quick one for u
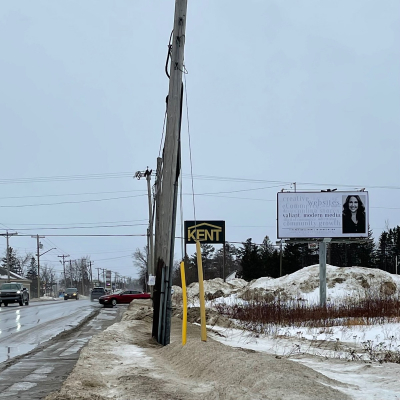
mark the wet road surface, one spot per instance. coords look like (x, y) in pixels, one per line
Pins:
(43, 370)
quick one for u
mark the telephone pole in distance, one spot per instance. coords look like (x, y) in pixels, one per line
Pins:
(7, 235)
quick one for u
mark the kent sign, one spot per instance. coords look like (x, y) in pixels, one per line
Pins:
(205, 231)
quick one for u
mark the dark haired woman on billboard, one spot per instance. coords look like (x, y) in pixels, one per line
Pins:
(353, 215)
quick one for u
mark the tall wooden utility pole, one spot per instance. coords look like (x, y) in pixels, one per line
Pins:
(150, 233)
(63, 263)
(7, 235)
(170, 174)
(150, 245)
(38, 247)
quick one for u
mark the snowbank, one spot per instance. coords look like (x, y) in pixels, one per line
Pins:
(302, 285)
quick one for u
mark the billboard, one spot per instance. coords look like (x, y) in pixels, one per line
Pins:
(205, 231)
(322, 215)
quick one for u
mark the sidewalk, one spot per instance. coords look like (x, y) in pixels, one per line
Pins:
(125, 363)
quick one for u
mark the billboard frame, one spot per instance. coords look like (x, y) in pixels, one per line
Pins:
(318, 215)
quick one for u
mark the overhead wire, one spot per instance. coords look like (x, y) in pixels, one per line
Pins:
(113, 175)
(80, 227)
(69, 194)
(190, 147)
(82, 223)
(70, 202)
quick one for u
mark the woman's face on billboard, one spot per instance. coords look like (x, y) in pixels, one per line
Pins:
(353, 204)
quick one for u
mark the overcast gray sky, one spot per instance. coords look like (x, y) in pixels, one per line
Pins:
(304, 91)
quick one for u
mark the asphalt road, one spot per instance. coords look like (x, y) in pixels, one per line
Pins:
(40, 343)
(23, 328)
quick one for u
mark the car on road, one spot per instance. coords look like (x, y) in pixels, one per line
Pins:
(13, 292)
(97, 292)
(122, 297)
(71, 293)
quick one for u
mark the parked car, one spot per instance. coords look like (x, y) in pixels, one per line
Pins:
(97, 292)
(71, 293)
(13, 292)
(122, 297)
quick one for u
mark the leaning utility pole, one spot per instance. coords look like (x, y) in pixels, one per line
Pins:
(170, 174)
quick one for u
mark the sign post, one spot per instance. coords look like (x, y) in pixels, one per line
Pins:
(206, 232)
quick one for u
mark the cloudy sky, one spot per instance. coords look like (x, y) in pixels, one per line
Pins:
(304, 91)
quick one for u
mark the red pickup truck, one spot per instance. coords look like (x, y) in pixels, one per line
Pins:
(122, 297)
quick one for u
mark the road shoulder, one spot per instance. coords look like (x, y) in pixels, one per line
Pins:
(124, 362)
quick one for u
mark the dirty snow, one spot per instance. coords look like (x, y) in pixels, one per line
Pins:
(124, 362)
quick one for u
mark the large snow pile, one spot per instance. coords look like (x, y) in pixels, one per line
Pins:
(213, 288)
(302, 285)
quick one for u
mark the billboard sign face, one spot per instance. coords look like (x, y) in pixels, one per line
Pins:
(205, 231)
(322, 215)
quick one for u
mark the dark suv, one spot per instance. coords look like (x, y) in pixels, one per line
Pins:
(97, 292)
(13, 292)
(71, 293)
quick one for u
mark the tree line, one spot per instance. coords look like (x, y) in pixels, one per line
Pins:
(252, 261)
(77, 273)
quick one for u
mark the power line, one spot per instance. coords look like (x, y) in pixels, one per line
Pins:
(80, 227)
(69, 194)
(92, 235)
(71, 202)
(114, 175)
(81, 223)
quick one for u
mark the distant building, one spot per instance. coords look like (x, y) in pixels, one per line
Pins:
(14, 278)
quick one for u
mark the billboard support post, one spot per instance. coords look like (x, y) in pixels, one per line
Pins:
(322, 271)
(223, 264)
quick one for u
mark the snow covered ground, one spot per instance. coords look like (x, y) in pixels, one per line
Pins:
(335, 355)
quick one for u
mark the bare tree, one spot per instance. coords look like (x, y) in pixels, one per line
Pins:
(140, 262)
(24, 261)
(47, 279)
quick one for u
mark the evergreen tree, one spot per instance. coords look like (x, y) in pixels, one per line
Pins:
(210, 269)
(366, 252)
(361, 254)
(232, 262)
(32, 275)
(388, 249)
(270, 258)
(32, 269)
(297, 256)
(251, 261)
(13, 261)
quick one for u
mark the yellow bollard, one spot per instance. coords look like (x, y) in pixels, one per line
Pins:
(201, 294)
(184, 299)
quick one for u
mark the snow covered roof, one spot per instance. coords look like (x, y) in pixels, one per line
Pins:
(13, 275)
